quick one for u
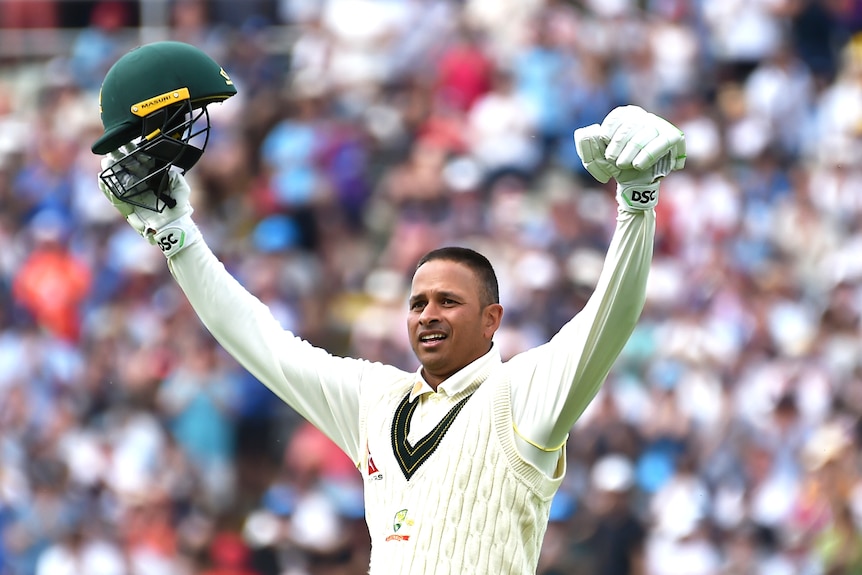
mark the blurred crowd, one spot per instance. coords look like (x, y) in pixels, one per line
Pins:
(365, 132)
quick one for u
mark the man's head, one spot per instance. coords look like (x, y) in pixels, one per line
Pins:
(454, 310)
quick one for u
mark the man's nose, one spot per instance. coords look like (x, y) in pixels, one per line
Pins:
(429, 313)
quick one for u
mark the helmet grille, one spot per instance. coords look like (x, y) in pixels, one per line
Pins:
(174, 137)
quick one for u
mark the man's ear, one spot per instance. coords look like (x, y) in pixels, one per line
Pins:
(493, 316)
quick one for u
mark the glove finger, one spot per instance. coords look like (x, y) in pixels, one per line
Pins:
(619, 139)
(657, 147)
(620, 115)
(180, 190)
(121, 206)
(637, 140)
(679, 155)
(114, 156)
(110, 159)
(590, 145)
(140, 165)
(103, 187)
(670, 138)
(584, 142)
(597, 148)
(140, 226)
(118, 184)
(602, 170)
(661, 168)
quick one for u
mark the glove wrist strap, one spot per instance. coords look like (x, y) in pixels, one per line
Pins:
(177, 235)
(637, 197)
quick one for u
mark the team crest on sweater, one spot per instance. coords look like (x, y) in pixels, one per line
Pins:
(402, 525)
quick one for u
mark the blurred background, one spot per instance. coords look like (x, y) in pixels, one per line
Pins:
(365, 132)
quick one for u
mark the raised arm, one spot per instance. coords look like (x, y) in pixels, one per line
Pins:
(152, 105)
(321, 387)
(553, 383)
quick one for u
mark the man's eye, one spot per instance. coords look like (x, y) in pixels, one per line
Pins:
(417, 305)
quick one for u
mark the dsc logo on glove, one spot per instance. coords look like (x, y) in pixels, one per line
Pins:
(170, 239)
(643, 197)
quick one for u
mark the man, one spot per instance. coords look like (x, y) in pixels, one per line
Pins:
(461, 458)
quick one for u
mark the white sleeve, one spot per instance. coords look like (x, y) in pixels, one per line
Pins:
(552, 384)
(323, 388)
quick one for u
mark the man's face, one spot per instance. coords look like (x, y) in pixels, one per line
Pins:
(446, 321)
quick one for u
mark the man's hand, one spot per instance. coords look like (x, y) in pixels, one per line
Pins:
(635, 148)
(172, 229)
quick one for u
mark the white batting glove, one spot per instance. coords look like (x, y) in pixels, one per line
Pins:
(171, 229)
(634, 147)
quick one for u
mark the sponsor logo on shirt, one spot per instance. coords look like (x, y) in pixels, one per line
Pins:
(373, 473)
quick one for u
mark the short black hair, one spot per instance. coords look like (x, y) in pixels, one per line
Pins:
(478, 263)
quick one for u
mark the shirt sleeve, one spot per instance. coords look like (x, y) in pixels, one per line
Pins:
(322, 388)
(552, 384)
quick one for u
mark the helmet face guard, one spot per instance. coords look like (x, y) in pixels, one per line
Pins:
(175, 138)
(153, 105)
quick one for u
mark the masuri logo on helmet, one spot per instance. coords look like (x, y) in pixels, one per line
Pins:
(153, 105)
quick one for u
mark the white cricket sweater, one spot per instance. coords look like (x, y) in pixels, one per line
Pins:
(511, 432)
(471, 503)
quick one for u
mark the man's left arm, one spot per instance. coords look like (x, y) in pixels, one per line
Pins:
(554, 383)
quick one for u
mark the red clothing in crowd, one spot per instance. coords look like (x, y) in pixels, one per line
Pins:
(51, 285)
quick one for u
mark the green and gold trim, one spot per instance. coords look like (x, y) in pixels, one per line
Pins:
(410, 457)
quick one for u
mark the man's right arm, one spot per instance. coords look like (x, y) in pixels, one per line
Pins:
(323, 388)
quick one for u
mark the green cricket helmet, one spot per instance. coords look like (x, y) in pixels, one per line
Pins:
(153, 104)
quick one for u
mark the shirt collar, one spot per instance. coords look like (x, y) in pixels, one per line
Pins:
(460, 380)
